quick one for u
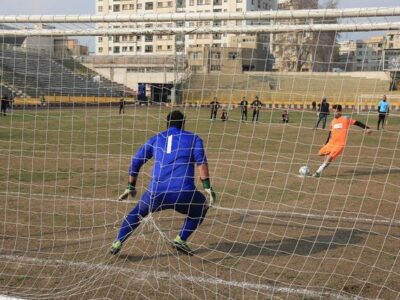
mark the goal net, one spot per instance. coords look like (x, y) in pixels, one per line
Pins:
(73, 117)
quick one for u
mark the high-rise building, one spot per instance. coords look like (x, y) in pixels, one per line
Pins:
(170, 44)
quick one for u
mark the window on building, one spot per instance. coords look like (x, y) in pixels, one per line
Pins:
(116, 7)
(159, 4)
(124, 49)
(130, 48)
(116, 49)
(100, 39)
(159, 48)
(148, 6)
(139, 6)
(232, 55)
(100, 50)
(215, 68)
(148, 38)
(138, 48)
(148, 48)
(169, 47)
(195, 55)
(131, 6)
(169, 4)
(100, 9)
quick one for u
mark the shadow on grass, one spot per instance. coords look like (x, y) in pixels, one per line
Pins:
(361, 172)
(305, 246)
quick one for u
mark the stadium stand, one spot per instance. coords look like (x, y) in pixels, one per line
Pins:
(33, 74)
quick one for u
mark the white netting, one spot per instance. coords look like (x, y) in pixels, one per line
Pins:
(65, 147)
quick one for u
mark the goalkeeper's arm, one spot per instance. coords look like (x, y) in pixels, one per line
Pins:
(130, 189)
(205, 179)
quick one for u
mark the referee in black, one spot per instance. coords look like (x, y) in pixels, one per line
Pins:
(243, 108)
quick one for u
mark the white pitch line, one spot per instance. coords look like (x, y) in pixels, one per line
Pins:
(310, 216)
(145, 275)
(285, 214)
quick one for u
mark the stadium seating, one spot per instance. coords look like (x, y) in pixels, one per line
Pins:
(33, 74)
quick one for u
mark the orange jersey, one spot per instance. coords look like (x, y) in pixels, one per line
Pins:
(339, 128)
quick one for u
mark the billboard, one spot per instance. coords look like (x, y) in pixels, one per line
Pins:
(391, 59)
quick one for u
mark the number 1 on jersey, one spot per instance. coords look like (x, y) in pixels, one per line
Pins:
(169, 144)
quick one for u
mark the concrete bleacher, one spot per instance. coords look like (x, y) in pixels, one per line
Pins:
(275, 87)
(33, 74)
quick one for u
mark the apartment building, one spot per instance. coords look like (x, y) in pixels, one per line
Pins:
(366, 54)
(170, 44)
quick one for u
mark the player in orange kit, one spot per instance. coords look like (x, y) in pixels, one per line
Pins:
(337, 138)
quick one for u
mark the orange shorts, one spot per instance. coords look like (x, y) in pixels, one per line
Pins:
(331, 150)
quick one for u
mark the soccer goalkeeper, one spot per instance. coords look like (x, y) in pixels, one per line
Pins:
(175, 152)
(337, 138)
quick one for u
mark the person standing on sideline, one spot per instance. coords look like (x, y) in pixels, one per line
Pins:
(3, 105)
(256, 105)
(337, 138)
(314, 105)
(243, 108)
(175, 152)
(285, 117)
(323, 113)
(122, 106)
(214, 108)
(383, 111)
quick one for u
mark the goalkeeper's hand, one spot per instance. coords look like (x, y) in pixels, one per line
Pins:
(130, 190)
(212, 196)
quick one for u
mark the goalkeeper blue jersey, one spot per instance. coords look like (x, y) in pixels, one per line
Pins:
(175, 153)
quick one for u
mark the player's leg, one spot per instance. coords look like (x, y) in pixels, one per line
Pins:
(318, 121)
(132, 221)
(379, 120)
(194, 205)
(331, 153)
(324, 122)
(245, 113)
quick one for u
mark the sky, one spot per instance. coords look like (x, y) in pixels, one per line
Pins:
(74, 7)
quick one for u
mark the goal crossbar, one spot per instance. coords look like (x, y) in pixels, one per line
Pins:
(221, 29)
(168, 17)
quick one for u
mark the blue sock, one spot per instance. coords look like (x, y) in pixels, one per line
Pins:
(191, 224)
(131, 222)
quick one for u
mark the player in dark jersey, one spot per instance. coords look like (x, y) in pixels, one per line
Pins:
(214, 108)
(243, 108)
(175, 153)
(256, 105)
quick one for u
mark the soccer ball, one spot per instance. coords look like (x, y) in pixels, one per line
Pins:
(304, 171)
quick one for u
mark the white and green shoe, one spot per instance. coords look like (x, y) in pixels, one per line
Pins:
(116, 247)
(181, 246)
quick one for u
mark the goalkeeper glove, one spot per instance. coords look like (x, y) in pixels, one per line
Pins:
(130, 190)
(209, 190)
